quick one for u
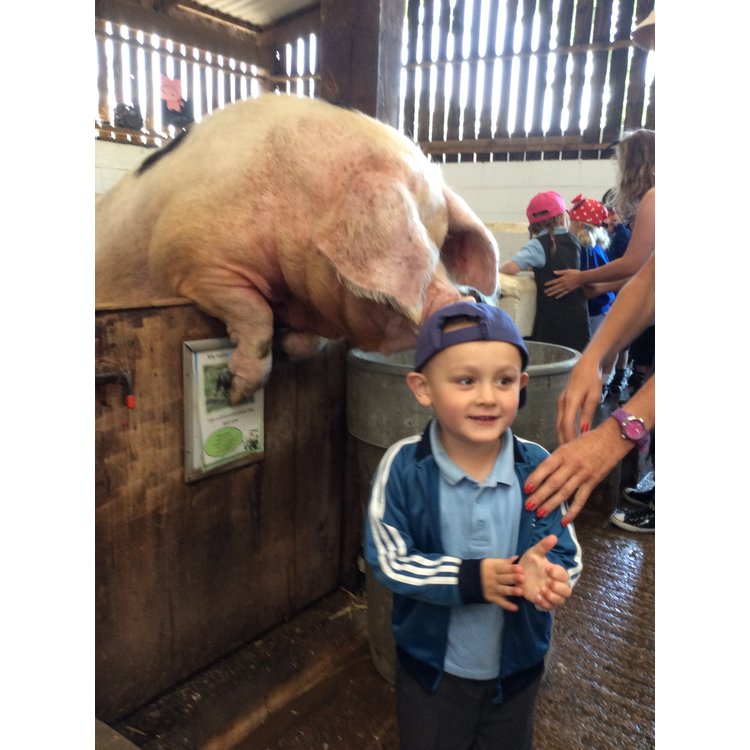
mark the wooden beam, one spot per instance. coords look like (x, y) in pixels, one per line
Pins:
(510, 145)
(182, 26)
(216, 15)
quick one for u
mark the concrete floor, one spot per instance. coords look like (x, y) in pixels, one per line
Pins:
(311, 683)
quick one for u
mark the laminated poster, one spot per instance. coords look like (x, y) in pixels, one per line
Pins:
(217, 433)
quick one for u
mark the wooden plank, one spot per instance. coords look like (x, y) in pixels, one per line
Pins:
(438, 115)
(117, 65)
(149, 113)
(132, 88)
(186, 573)
(227, 82)
(392, 20)
(424, 115)
(485, 118)
(602, 22)
(470, 112)
(584, 15)
(349, 53)
(205, 75)
(454, 101)
(548, 144)
(101, 78)
(503, 124)
(412, 19)
(564, 30)
(651, 110)
(540, 82)
(634, 111)
(519, 126)
(180, 24)
(618, 70)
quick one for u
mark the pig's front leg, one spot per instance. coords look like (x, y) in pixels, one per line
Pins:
(249, 322)
(299, 345)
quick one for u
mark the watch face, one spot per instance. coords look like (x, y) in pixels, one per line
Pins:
(634, 429)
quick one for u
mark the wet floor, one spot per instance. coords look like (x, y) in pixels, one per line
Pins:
(598, 692)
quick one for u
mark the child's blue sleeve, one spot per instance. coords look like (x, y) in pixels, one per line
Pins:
(389, 543)
(567, 552)
(531, 255)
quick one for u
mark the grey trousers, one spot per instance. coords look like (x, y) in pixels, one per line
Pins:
(462, 716)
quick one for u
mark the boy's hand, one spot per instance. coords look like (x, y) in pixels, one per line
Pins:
(543, 583)
(501, 578)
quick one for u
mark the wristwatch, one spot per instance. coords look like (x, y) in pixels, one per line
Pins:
(633, 429)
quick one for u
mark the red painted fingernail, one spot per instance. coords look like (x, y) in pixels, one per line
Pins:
(584, 428)
(541, 513)
(528, 488)
(565, 522)
(529, 505)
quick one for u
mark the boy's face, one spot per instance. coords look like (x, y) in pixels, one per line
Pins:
(474, 390)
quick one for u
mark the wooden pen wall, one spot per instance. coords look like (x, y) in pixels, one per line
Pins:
(519, 80)
(187, 572)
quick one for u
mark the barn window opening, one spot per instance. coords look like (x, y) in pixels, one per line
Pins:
(480, 80)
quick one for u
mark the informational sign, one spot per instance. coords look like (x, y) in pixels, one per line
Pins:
(218, 434)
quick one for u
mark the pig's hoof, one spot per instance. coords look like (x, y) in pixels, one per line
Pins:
(241, 389)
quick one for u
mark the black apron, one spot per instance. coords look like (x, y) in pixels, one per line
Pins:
(563, 321)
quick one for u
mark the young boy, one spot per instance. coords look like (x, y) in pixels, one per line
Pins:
(473, 574)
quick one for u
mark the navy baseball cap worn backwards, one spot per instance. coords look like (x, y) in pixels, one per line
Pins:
(493, 324)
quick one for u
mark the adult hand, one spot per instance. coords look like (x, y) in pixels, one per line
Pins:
(582, 395)
(573, 471)
(566, 282)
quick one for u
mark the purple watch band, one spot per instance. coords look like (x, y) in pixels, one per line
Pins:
(633, 429)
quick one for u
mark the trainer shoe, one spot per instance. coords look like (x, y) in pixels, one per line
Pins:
(644, 493)
(641, 520)
(642, 499)
(635, 381)
(619, 381)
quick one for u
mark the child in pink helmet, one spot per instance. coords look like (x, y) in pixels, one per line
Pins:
(552, 247)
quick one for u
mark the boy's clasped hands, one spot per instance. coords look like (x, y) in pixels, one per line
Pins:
(533, 577)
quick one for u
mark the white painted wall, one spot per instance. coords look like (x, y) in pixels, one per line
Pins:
(113, 160)
(497, 191)
(500, 191)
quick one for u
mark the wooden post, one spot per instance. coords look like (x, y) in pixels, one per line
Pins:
(360, 43)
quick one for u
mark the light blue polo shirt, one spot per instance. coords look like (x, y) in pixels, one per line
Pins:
(531, 255)
(477, 521)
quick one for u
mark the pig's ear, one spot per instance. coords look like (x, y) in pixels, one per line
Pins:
(377, 243)
(469, 252)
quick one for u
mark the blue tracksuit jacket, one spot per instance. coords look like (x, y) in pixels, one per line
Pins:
(404, 550)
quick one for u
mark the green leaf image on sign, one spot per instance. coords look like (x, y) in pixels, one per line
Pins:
(223, 441)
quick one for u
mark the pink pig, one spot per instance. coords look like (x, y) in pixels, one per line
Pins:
(292, 211)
